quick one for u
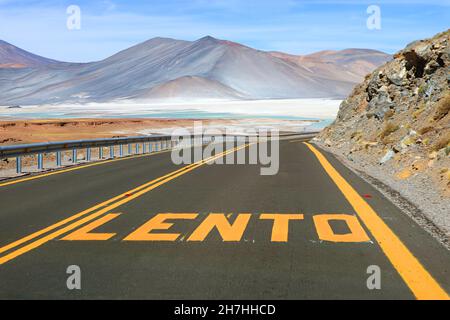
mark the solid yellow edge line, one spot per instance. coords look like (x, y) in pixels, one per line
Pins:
(4, 184)
(91, 217)
(420, 282)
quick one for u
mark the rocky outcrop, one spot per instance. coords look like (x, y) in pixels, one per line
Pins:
(396, 124)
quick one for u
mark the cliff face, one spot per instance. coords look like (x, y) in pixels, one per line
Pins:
(396, 124)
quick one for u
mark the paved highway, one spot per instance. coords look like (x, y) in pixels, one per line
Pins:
(143, 227)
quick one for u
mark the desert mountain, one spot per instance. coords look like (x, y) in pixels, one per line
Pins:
(345, 65)
(162, 68)
(13, 57)
(191, 87)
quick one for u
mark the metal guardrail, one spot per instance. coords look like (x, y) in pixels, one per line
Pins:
(47, 147)
(143, 144)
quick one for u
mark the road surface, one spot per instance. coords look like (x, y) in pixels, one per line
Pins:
(145, 228)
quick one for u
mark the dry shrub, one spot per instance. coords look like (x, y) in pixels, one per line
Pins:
(355, 134)
(442, 107)
(387, 140)
(418, 112)
(443, 142)
(389, 114)
(425, 130)
(388, 129)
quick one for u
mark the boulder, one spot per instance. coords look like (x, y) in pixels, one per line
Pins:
(379, 105)
(396, 75)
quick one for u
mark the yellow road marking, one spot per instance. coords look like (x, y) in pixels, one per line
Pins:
(280, 227)
(300, 140)
(84, 212)
(228, 231)
(4, 184)
(85, 232)
(326, 233)
(420, 282)
(142, 190)
(159, 222)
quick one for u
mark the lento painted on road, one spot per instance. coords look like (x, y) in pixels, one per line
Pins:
(205, 230)
(229, 231)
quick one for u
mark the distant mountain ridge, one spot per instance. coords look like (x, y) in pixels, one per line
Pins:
(14, 57)
(163, 68)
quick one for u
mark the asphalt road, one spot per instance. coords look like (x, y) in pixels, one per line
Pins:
(145, 228)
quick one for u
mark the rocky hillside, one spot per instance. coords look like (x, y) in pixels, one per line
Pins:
(395, 125)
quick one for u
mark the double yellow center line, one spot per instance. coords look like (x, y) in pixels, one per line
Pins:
(94, 212)
(78, 167)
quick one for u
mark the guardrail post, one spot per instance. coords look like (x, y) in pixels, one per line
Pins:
(74, 155)
(19, 164)
(88, 154)
(121, 150)
(40, 161)
(100, 153)
(58, 158)
(129, 149)
(111, 152)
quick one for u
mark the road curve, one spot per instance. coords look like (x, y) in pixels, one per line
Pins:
(145, 228)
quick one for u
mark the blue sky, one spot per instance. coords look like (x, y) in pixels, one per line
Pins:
(292, 26)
